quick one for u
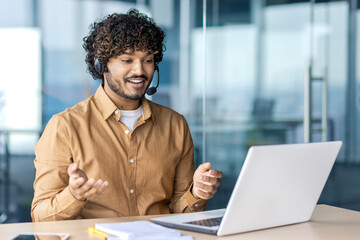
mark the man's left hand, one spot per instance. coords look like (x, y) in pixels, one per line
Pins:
(206, 181)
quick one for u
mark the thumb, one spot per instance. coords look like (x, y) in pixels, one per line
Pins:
(204, 167)
(72, 168)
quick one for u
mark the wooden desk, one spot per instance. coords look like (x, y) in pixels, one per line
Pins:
(326, 223)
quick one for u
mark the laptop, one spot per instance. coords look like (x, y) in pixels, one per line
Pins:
(278, 185)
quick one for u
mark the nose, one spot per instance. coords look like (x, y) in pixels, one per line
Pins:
(138, 68)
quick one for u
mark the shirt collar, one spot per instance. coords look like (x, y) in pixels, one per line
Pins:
(147, 110)
(108, 107)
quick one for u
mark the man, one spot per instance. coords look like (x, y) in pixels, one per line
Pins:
(117, 153)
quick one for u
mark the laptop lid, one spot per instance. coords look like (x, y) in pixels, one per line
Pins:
(277, 185)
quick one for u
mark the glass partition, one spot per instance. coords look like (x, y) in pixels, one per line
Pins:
(256, 70)
(254, 79)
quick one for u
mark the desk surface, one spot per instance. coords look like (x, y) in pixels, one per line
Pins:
(326, 223)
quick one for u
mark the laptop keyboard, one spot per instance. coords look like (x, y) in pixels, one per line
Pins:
(210, 222)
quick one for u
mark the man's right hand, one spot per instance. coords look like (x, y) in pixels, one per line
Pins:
(81, 187)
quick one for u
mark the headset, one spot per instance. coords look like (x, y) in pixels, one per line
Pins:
(99, 67)
(152, 90)
(102, 68)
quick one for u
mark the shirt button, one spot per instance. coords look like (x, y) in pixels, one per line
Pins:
(127, 131)
(131, 160)
(196, 205)
(131, 191)
(116, 111)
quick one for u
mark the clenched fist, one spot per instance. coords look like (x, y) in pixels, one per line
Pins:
(206, 181)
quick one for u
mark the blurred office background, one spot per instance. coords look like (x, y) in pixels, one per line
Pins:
(243, 73)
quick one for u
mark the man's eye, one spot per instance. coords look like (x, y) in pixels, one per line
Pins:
(148, 61)
(126, 60)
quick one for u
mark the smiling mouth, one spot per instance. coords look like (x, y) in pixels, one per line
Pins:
(137, 81)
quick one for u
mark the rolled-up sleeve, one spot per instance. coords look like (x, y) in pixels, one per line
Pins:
(52, 198)
(182, 199)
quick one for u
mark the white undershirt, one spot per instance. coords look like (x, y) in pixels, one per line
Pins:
(131, 117)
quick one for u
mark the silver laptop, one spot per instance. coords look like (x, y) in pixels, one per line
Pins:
(277, 185)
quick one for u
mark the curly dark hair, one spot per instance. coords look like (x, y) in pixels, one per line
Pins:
(116, 33)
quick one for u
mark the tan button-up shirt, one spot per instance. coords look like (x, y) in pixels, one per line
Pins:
(149, 170)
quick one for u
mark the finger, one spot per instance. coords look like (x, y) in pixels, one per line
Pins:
(217, 183)
(94, 189)
(77, 183)
(204, 195)
(86, 186)
(103, 187)
(75, 172)
(98, 188)
(72, 168)
(208, 179)
(215, 173)
(205, 187)
(208, 187)
(204, 167)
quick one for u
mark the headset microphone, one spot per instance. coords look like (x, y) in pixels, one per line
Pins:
(152, 90)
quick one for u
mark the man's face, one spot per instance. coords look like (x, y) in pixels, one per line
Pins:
(130, 74)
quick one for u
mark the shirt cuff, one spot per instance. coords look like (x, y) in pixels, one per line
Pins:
(70, 205)
(195, 204)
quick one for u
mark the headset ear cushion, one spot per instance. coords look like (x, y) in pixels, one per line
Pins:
(99, 67)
